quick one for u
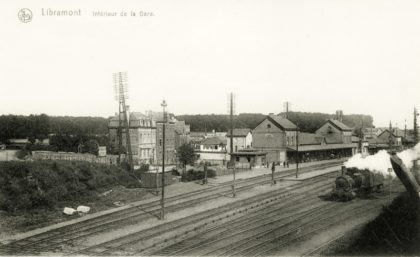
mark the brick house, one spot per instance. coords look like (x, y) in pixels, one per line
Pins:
(170, 157)
(273, 135)
(336, 130)
(142, 136)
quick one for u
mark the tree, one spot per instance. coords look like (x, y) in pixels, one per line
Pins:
(91, 146)
(186, 155)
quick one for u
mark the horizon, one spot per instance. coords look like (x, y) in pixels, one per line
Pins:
(323, 56)
(374, 126)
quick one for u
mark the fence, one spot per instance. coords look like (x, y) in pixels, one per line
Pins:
(227, 170)
(70, 156)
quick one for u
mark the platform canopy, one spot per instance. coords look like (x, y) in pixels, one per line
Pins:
(307, 148)
(249, 153)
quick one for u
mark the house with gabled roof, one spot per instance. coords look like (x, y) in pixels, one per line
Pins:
(242, 139)
(273, 135)
(336, 130)
(278, 137)
(146, 131)
(213, 150)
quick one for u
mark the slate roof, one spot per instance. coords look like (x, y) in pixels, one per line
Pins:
(197, 134)
(387, 131)
(338, 124)
(378, 143)
(137, 115)
(239, 132)
(398, 132)
(333, 139)
(310, 139)
(306, 148)
(214, 141)
(282, 122)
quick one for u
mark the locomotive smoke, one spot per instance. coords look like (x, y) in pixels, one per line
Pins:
(380, 161)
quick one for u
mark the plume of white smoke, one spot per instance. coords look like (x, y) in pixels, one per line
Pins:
(380, 161)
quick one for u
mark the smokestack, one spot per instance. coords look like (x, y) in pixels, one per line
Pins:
(343, 170)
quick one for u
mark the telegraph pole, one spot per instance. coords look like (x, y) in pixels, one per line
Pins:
(231, 127)
(119, 134)
(390, 143)
(361, 138)
(232, 158)
(297, 152)
(416, 140)
(415, 127)
(162, 200)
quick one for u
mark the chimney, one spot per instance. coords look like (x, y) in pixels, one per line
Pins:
(339, 115)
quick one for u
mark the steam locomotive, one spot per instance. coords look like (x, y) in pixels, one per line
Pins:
(354, 182)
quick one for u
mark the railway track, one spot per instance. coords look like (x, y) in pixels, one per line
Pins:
(270, 240)
(293, 206)
(305, 232)
(53, 239)
(135, 244)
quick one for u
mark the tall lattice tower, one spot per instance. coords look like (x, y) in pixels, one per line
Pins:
(121, 95)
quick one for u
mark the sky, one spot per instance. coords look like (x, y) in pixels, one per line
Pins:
(359, 56)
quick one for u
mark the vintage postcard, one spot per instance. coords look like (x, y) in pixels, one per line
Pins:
(209, 128)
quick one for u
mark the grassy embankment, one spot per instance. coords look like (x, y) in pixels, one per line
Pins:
(33, 194)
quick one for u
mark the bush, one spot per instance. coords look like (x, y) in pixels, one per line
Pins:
(144, 167)
(192, 175)
(174, 172)
(42, 184)
(21, 154)
(125, 165)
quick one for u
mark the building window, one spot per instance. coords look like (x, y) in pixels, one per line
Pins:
(160, 142)
(329, 130)
(268, 126)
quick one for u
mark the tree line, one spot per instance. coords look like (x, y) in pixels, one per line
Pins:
(67, 134)
(41, 126)
(307, 121)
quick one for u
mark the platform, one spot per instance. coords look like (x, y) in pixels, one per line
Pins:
(312, 174)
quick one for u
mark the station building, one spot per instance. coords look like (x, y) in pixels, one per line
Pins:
(277, 136)
(333, 140)
(273, 135)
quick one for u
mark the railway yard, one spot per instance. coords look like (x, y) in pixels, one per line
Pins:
(286, 218)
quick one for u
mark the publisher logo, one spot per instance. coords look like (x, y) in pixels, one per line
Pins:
(25, 15)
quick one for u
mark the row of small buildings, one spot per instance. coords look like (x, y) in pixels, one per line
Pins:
(277, 139)
(274, 139)
(388, 138)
